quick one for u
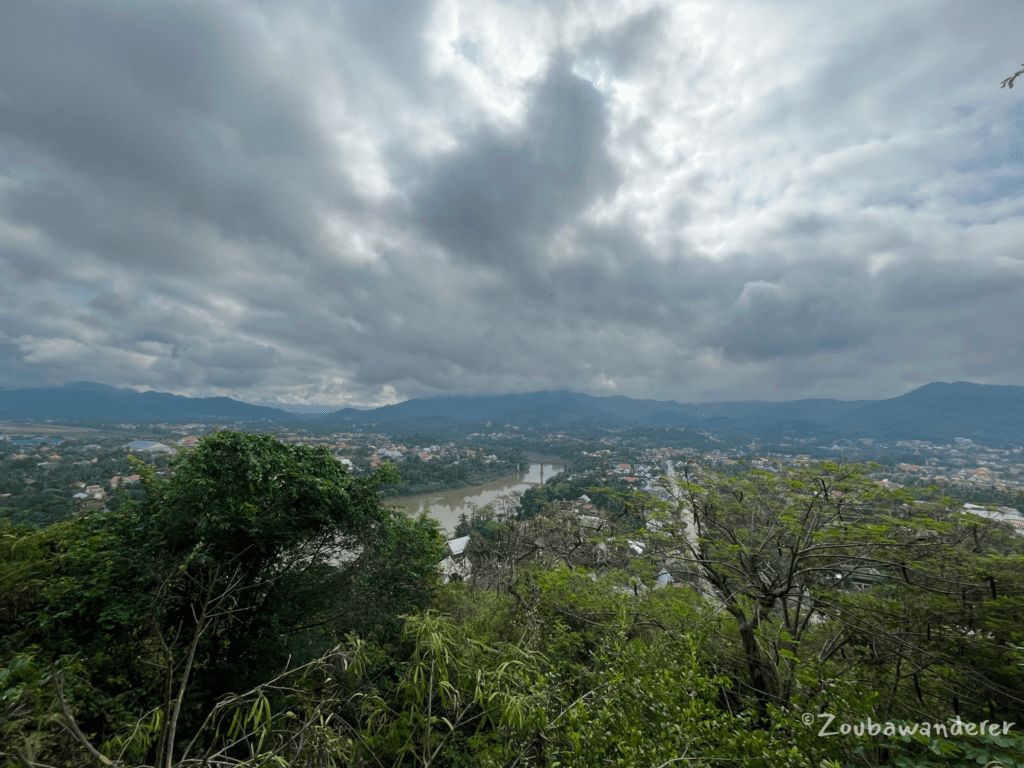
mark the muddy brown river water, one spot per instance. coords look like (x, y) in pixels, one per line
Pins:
(446, 506)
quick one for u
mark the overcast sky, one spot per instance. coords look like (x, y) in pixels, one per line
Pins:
(355, 203)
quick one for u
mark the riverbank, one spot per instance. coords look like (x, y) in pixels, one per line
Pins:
(446, 506)
(475, 479)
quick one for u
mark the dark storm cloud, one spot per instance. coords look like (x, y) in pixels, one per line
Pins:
(143, 120)
(498, 199)
(772, 327)
(617, 277)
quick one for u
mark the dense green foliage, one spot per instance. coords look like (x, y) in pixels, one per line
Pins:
(254, 553)
(565, 488)
(41, 495)
(420, 476)
(265, 608)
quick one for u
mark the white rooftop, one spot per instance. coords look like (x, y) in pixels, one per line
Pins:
(458, 546)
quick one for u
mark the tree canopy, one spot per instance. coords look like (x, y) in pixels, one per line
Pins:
(253, 553)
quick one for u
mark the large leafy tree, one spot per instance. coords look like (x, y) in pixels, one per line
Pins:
(823, 565)
(316, 551)
(252, 553)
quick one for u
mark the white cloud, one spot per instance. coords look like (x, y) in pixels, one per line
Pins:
(51, 350)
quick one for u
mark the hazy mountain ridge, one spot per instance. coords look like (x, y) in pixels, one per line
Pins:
(934, 411)
(89, 399)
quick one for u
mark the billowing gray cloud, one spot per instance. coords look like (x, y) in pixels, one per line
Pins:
(499, 199)
(944, 287)
(143, 122)
(771, 328)
(356, 203)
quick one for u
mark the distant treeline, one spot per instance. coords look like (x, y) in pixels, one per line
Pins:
(968, 492)
(419, 476)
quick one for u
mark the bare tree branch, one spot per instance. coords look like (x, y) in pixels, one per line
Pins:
(71, 724)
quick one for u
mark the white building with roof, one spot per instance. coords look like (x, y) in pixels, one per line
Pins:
(457, 547)
(1000, 514)
(455, 567)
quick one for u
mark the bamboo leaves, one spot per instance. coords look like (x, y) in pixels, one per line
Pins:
(452, 684)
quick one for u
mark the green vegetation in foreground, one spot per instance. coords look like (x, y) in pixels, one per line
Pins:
(265, 608)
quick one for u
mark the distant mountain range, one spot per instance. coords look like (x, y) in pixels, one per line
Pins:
(937, 411)
(90, 400)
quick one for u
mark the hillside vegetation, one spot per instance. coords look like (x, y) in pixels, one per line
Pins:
(263, 607)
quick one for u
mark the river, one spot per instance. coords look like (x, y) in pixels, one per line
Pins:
(446, 506)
